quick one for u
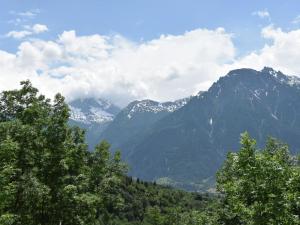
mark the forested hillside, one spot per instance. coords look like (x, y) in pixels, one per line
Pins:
(48, 176)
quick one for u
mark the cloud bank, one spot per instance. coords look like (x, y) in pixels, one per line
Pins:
(115, 68)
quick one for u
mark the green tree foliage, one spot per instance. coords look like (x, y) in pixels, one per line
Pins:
(147, 203)
(47, 176)
(260, 187)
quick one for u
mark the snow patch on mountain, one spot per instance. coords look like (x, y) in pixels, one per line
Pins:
(90, 110)
(284, 79)
(154, 107)
(96, 115)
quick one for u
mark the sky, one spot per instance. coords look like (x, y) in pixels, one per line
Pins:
(142, 49)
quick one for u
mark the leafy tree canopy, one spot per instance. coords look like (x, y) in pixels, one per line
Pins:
(260, 186)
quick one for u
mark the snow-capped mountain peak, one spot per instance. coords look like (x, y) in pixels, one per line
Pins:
(282, 78)
(92, 110)
(147, 105)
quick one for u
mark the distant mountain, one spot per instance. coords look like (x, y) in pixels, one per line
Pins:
(94, 115)
(183, 143)
(132, 122)
(190, 144)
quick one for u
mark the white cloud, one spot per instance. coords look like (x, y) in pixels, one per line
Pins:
(23, 17)
(282, 54)
(166, 68)
(39, 28)
(29, 13)
(29, 30)
(18, 34)
(262, 14)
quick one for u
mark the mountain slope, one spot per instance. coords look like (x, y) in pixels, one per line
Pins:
(190, 144)
(93, 115)
(133, 121)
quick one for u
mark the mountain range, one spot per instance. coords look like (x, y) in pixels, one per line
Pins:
(131, 124)
(184, 143)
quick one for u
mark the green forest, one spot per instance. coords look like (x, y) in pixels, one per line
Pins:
(48, 177)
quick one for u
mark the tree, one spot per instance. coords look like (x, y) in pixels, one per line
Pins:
(153, 216)
(259, 186)
(47, 176)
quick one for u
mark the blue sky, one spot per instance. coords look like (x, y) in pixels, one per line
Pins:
(238, 33)
(145, 20)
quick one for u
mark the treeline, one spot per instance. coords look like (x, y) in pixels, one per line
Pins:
(48, 177)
